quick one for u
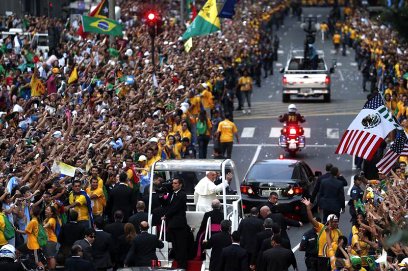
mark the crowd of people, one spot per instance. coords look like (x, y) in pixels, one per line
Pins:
(98, 107)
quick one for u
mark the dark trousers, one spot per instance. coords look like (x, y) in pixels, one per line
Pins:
(247, 95)
(311, 263)
(226, 147)
(323, 264)
(365, 80)
(180, 245)
(202, 146)
(239, 98)
(326, 213)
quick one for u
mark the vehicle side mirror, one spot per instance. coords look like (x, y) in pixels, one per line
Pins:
(331, 70)
(318, 174)
(281, 70)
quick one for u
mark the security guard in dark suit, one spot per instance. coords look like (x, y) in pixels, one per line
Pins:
(309, 246)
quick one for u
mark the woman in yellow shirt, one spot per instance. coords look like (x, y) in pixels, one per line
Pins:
(171, 144)
(50, 226)
(32, 234)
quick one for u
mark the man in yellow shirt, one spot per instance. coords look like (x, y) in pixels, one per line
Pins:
(245, 86)
(323, 260)
(3, 240)
(324, 28)
(207, 99)
(336, 42)
(226, 131)
(185, 132)
(97, 197)
(78, 200)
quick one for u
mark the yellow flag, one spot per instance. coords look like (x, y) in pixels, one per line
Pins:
(37, 87)
(188, 45)
(74, 76)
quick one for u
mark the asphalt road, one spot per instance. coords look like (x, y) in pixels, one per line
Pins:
(325, 122)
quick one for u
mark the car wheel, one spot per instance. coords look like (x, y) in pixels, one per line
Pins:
(285, 98)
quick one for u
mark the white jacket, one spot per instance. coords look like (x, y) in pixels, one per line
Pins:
(205, 192)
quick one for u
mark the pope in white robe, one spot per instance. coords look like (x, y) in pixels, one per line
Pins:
(206, 191)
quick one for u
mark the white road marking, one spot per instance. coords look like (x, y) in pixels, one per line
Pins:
(280, 52)
(248, 132)
(295, 248)
(258, 150)
(278, 64)
(341, 75)
(353, 166)
(276, 131)
(354, 64)
(332, 133)
(332, 51)
(339, 64)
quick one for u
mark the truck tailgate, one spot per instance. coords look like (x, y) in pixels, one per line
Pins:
(305, 80)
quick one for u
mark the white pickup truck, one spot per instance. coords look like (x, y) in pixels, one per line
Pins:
(306, 80)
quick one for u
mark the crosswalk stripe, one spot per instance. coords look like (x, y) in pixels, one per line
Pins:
(278, 64)
(248, 132)
(354, 64)
(275, 132)
(333, 133)
(280, 52)
(307, 132)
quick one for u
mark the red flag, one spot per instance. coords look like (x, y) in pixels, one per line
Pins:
(101, 11)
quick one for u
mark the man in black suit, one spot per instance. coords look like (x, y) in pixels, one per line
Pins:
(139, 216)
(279, 219)
(217, 242)
(122, 198)
(319, 181)
(248, 228)
(143, 249)
(331, 196)
(116, 229)
(69, 233)
(76, 262)
(261, 236)
(277, 258)
(233, 257)
(102, 247)
(175, 217)
(86, 244)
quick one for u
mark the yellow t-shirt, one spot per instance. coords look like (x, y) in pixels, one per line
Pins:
(32, 233)
(207, 99)
(322, 244)
(3, 240)
(82, 208)
(227, 130)
(52, 224)
(98, 203)
(195, 105)
(245, 83)
(363, 246)
(186, 133)
(324, 27)
(336, 38)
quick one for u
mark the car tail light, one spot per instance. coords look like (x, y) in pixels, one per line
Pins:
(300, 130)
(292, 131)
(284, 81)
(327, 80)
(246, 189)
(298, 190)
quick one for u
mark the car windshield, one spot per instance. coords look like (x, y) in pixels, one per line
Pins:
(271, 172)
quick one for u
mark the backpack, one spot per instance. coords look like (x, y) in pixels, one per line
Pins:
(8, 231)
(42, 236)
(201, 127)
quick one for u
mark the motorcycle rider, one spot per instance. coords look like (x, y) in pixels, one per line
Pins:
(292, 117)
(8, 259)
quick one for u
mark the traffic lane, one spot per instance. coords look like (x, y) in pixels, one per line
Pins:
(242, 156)
(324, 129)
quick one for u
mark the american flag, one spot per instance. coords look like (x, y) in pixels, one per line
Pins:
(368, 130)
(399, 147)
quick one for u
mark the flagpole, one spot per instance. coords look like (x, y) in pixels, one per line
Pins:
(112, 16)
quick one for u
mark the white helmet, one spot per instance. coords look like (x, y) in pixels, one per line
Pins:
(8, 251)
(292, 108)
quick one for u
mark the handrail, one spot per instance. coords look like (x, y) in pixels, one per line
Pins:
(163, 230)
(208, 230)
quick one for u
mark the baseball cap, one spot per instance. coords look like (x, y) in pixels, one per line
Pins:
(332, 217)
(404, 262)
(142, 158)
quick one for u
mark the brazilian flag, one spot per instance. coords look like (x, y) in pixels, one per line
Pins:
(102, 26)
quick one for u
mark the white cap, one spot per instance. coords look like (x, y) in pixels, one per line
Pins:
(332, 217)
(204, 85)
(129, 52)
(142, 158)
(147, 53)
(180, 87)
(57, 134)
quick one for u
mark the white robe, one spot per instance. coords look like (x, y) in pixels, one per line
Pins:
(205, 192)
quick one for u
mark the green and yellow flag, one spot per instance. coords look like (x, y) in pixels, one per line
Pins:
(206, 22)
(73, 76)
(101, 26)
(188, 45)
